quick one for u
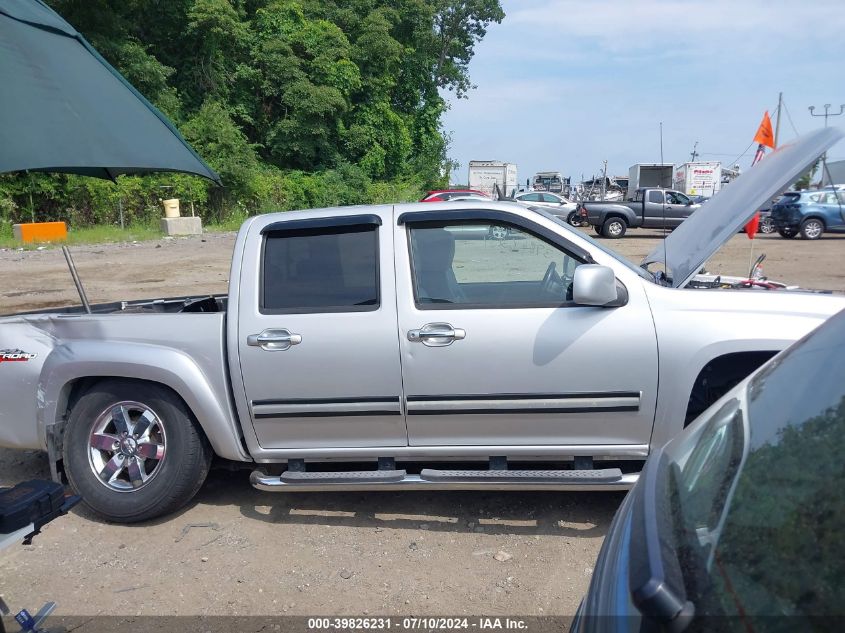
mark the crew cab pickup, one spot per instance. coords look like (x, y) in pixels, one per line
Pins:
(649, 208)
(396, 347)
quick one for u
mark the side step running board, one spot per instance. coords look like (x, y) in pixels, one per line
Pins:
(606, 475)
(360, 476)
(430, 479)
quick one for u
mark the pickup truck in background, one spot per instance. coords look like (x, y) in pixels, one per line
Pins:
(385, 348)
(650, 208)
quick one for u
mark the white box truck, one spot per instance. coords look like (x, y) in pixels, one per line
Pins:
(699, 179)
(484, 175)
(649, 175)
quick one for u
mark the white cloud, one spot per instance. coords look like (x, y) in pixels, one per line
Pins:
(564, 84)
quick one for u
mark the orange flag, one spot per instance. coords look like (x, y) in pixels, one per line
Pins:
(764, 135)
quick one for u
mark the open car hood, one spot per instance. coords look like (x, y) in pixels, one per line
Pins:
(708, 228)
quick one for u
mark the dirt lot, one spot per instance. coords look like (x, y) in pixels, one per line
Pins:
(239, 551)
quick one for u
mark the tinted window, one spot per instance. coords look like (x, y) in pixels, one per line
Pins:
(484, 264)
(760, 490)
(321, 270)
(655, 196)
(531, 197)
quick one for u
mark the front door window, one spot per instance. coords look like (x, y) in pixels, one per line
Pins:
(455, 265)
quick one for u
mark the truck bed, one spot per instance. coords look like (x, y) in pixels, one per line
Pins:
(171, 305)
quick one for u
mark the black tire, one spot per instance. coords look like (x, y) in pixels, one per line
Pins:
(812, 229)
(614, 228)
(787, 233)
(173, 479)
(574, 219)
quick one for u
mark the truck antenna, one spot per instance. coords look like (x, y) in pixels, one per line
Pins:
(76, 280)
(665, 232)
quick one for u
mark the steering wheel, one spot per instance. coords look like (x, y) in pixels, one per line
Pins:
(552, 282)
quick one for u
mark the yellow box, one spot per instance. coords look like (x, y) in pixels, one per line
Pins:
(40, 232)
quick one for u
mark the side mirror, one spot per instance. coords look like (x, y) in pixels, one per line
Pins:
(595, 285)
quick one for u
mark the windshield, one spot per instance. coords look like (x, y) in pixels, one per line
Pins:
(562, 222)
(758, 490)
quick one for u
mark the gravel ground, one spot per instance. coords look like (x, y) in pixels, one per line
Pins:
(238, 551)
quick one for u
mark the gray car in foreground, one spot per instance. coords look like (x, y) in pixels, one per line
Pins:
(373, 348)
(735, 525)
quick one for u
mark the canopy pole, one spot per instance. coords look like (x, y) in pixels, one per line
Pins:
(77, 282)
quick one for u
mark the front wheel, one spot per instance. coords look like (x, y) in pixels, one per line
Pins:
(787, 233)
(133, 452)
(614, 228)
(812, 229)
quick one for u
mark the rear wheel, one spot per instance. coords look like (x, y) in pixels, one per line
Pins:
(787, 233)
(812, 229)
(614, 228)
(133, 452)
(574, 219)
(767, 226)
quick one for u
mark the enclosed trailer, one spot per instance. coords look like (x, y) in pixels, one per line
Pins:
(484, 175)
(650, 175)
(699, 178)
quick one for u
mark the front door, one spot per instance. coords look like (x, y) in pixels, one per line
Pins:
(495, 352)
(317, 333)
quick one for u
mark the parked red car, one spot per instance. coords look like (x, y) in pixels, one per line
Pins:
(440, 195)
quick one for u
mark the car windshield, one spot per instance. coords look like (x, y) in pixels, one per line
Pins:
(757, 490)
(562, 221)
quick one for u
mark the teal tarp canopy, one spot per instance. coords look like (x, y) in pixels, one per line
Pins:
(63, 108)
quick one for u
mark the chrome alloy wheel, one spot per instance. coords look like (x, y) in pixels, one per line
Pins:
(127, 446)
(615, 228)
(813, 229)
(499, 232)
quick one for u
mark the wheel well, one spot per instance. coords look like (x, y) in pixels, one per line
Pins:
(718, 376)
(615, 214)
(70, 395)
(814, 217)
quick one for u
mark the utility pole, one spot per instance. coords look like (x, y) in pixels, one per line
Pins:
(693, 153)
(604, 181)
(826, 115)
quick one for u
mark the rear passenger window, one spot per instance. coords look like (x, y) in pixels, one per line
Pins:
(320, 270)
(655, 196)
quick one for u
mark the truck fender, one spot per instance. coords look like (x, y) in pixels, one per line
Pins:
(672, 406)
(617, 210)
(75, 360)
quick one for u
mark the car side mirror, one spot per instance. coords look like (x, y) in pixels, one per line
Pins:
(595, 285)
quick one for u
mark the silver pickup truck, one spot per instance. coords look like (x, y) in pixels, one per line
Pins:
(396, 347)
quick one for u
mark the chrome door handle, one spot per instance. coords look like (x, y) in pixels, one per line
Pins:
(436, 334)
(274, 340)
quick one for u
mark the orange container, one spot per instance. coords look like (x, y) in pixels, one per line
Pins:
(41, 232)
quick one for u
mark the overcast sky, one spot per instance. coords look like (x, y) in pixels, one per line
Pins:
(563, 84)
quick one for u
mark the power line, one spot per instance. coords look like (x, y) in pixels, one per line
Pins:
(789, 116)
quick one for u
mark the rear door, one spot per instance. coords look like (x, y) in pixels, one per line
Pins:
(494, 350)
(653, 208)
(317, 332)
